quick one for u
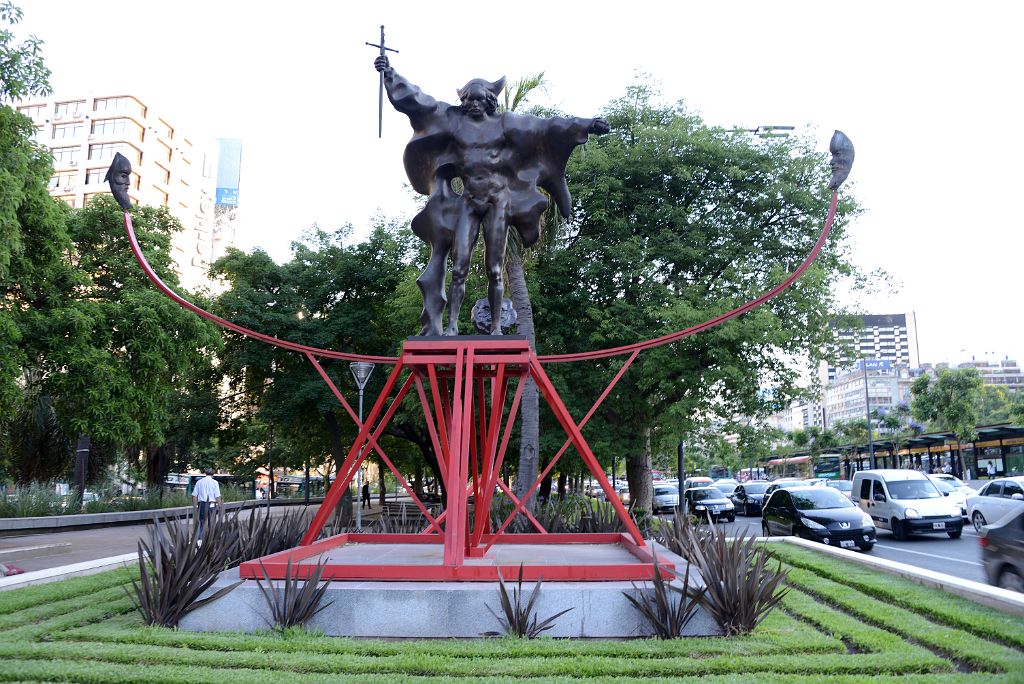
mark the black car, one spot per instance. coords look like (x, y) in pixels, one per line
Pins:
(749, 496)
(708, 503)
(1002, 552)
(820, 514)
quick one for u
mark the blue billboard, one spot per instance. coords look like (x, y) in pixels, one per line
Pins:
(229, 171)
(875, 364)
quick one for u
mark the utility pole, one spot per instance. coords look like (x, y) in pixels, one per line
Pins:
(867, 406)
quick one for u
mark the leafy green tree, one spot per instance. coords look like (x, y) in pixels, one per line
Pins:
(996, 405)
(674, 223)
(949, 402)
(333, 293)
(22, 70)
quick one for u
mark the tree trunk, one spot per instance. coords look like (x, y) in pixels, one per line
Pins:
(338, 454)
(563, 479)
(529, 408)
(638, 474)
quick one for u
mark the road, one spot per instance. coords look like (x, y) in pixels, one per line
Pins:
(958, 557)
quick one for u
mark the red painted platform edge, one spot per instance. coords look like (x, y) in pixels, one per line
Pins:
(276, 564)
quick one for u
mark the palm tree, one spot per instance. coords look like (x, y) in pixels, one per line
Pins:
(529, 429)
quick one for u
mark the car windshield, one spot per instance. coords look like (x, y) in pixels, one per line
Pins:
(820, 498)
(725, 487)
(943, 485)
(705, 493)
(755, 487)
(664, 491)
(841, 485)
(913, 489)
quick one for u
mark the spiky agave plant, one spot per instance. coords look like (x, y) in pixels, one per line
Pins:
(740, 587)
(668, 608)
(296, 601)
(175, 570)
(519, 618)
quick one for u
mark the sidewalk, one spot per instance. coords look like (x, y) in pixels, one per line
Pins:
(32, 552)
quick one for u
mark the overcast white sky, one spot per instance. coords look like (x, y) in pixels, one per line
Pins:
(929, 92)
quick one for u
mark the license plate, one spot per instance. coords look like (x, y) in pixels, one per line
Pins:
(847, 544)
(938, 526)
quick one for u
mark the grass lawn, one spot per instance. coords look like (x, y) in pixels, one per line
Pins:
(839, 623)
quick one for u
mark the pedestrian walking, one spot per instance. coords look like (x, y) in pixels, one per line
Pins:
(366, 496)
(206, 496)
(991, 469)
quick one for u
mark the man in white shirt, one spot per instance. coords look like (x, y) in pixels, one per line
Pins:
(205, 495)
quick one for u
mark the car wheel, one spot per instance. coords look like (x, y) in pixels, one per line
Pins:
(765, 532)
(898, 531)
(731, 518)
(979, 520)
(866, 547)
(955, 534)
(1011, 579)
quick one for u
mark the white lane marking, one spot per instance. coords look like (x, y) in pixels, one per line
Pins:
(930, 555)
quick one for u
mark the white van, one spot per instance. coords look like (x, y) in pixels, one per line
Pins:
(905, 502)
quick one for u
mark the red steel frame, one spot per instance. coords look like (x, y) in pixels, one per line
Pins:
(469, 451)
(464, 385)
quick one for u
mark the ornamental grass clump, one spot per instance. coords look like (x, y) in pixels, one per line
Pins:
(668, 608)
(296, 601)
(175, 569)
(519, 618)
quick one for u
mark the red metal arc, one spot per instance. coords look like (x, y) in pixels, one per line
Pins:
(551, 358)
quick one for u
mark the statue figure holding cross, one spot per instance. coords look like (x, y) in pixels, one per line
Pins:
(501, 160)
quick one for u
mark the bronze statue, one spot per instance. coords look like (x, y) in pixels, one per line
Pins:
(501, 159)
(119, 176)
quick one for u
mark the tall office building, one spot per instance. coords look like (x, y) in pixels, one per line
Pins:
(886, 337)
(168, 169)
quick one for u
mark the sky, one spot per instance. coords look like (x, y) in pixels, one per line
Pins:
(925, 90)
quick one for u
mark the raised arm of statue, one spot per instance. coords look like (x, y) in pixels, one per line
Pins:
(405, 97)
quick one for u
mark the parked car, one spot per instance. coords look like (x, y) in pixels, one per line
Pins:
(782, 484)
(698, 481)
(708, 503)
(947, 489)
(845, 486)
(727, 487)
(748, 497)
(1002, 552)
(956, 482)
(996, 500)
(821, 514)
(666, 498)
(905, 502)
(622, 491)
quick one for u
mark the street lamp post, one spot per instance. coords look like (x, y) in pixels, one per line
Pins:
(361, 372)
(867, 407)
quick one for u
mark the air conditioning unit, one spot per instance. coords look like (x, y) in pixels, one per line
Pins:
(91, 137)
(58, 117)
(72, 163)
(68, 188)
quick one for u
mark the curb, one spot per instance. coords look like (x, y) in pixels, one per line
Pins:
(67, 571)
(1001, 599)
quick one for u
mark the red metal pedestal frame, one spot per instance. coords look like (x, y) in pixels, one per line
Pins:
(470, 390)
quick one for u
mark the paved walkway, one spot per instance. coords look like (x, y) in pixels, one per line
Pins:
(51, 550)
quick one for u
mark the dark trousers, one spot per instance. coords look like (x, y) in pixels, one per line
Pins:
(206, 513)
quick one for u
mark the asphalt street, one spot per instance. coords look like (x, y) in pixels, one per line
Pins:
(937, 552)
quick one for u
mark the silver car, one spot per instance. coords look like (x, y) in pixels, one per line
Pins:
(1002, 552)
(666, 498)
(996, 500)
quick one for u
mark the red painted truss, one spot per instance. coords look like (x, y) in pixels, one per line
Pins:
(469, 389)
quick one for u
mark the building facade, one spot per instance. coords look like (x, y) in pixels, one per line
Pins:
(1004, 373)
(846, 398)
(168, 169)
(887, 337)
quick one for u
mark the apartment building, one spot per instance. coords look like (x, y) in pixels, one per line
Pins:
(169, 168)
(885, 337)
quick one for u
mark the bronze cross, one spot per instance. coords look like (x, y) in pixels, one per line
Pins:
(380, 90)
